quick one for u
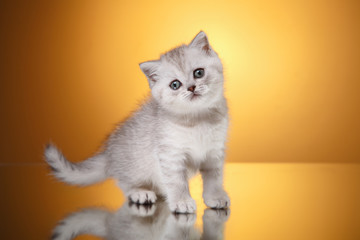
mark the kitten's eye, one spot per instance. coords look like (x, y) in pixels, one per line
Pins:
(199, 73)
(175, 85)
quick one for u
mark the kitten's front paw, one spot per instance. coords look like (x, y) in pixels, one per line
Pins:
(183, 206)
(218, 201)
(143, 197)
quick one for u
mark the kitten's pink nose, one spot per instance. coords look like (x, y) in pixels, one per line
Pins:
(192, 88)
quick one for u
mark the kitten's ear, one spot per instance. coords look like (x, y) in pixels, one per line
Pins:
(149, 69)
(201, 41)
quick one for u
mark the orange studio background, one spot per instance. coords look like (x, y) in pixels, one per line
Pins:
(69, 72)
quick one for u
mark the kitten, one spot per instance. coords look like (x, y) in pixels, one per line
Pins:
(181, 129)
(134, 221)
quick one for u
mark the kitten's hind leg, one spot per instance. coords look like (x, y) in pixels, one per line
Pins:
(142, 196)
(140, 192)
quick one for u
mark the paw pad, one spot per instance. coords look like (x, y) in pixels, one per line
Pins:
(143, 197)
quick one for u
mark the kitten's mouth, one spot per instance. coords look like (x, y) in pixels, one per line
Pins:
(194, 96)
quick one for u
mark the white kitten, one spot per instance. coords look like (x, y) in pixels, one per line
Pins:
(181, 129)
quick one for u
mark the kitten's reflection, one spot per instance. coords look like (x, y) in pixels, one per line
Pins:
(134, 221)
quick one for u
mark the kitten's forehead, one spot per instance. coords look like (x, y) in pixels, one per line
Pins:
(185, 58)
(177, 57)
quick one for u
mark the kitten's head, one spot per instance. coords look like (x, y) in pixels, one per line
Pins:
(188, 78)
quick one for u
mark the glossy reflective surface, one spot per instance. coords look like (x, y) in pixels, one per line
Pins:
(269, 201)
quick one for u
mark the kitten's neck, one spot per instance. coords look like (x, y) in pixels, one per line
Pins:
(211, 115)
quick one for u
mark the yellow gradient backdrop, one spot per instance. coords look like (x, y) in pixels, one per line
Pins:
(69, 72)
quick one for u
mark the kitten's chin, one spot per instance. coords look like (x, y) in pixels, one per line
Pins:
(193, 105)
(195, 96)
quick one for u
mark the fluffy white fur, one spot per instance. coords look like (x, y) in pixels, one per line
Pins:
(173, 135)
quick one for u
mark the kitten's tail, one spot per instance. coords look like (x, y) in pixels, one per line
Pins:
(84, 173)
